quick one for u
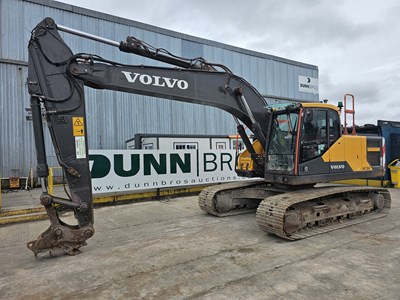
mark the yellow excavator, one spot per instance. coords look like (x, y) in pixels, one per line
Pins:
(295, 146)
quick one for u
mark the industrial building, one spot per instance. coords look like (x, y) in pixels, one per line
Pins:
(114, 117)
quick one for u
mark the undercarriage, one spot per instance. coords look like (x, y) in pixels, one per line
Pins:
(297, 214)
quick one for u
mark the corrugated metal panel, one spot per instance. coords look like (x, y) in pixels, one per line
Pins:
(192, 49)
(114, 117)
(16, 140)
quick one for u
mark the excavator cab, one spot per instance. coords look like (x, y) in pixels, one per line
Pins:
(300, 135)
(307, 146)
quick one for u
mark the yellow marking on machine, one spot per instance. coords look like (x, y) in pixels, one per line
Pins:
(320, 105)
(78, 126)
(245, 162)
(374, 149)
(351, 149)
(50, 180)
(364, 182)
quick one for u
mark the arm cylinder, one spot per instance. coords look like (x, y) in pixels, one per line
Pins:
(42, 167)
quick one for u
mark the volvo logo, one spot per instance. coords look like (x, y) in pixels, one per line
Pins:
(156, 80)
(337, 167)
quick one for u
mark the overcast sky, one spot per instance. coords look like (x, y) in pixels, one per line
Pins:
(354, 43)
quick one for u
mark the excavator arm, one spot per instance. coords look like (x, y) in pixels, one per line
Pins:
(56, 80)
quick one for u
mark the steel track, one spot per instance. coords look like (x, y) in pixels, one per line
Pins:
(271, 211)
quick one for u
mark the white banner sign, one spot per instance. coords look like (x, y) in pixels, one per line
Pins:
(123, 171)
(308, 84)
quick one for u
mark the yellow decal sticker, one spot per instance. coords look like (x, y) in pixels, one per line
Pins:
(78, 127)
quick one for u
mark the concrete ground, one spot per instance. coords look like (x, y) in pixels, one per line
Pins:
(18, 199)
(171, 250)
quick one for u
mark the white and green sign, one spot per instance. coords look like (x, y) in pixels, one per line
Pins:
(308, 84)
(123, 171)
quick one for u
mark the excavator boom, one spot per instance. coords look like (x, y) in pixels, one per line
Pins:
(56, 80)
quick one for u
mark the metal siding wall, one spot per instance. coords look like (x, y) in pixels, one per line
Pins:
(192, 49)
(113, 117)
(11, 33)
(15, 136)
(270, 77)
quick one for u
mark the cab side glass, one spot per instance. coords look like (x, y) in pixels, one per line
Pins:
(314, 138)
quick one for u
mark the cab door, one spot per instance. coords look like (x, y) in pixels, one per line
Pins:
(319, 130)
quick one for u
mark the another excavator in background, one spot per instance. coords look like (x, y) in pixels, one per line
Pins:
(296, 145)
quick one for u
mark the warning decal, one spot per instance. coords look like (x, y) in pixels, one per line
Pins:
(78, 127)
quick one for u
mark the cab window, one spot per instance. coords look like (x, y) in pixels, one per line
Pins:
(283, 142)
(334, 126)
(314, 138)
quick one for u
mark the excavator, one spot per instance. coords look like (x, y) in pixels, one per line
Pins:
(297, 147)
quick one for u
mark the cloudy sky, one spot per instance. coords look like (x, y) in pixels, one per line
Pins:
(354, 43)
